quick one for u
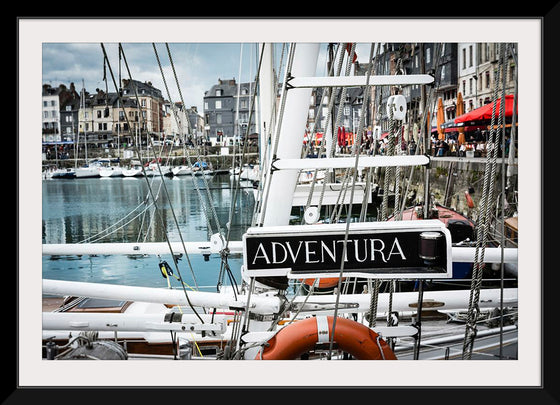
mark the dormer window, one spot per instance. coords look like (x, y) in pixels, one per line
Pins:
(219, 92)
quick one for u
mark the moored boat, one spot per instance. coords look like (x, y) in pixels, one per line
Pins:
(181, 170)
(68, 173)
(111, 171)
(90, 170)
(134, 170)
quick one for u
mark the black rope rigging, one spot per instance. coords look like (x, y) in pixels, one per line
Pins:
(146, 177)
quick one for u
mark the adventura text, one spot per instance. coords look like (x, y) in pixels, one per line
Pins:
(290, 252)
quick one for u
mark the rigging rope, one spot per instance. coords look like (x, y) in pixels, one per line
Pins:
(144, 174)
(484, 211)
(209, 195)
(357, 145)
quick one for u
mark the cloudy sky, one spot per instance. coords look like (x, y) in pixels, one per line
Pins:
(198, 65)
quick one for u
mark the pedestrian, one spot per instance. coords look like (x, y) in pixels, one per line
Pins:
(412, 147)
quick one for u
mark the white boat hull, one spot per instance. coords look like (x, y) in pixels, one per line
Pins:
(87, 172)
(111, 172)
(155, 171)
(132, 172)
(63, 174)
(181, 170)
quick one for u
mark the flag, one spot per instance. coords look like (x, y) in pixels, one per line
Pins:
(349, 50)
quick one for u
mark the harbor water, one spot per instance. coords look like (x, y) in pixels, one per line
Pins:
(113, 210)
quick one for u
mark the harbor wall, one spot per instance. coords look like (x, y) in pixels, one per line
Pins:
(451, 177)
(214, 155)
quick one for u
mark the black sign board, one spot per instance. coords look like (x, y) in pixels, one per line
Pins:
(383, 251)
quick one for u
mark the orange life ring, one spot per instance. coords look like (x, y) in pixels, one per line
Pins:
(329, 282)
(470, 202)
(351, 336)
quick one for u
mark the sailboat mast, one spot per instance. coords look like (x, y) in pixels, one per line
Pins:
(290, 136)
(266, 99)
(118, 111)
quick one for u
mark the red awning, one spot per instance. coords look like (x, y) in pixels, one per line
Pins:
(485, 112)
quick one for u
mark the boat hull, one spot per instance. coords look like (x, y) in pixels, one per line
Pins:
(111, 172)
(87, 172)
(63, 174)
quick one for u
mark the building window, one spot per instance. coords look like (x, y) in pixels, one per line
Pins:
(470, 56)
(464, 58)
(470, 86)
(487, 80)
(218, 118)
(218, 104)
(219, 92)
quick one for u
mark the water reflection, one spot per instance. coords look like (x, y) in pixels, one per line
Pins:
(123, 210)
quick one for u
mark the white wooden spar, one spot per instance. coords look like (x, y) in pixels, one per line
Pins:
(149, 248)
(269, 304)
(133, 322)
(457, 300)
(258, 304)
(359, 81)
(460, 254)
(346, 162)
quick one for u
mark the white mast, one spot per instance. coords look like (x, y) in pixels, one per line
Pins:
(267, 98)
(282, 183)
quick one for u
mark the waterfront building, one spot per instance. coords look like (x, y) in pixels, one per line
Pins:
(477, 72)
(349, 115)
(226, 112)
(59, 113)
(69, 100)
(105, 120)
(182, 124)
(151, 105)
